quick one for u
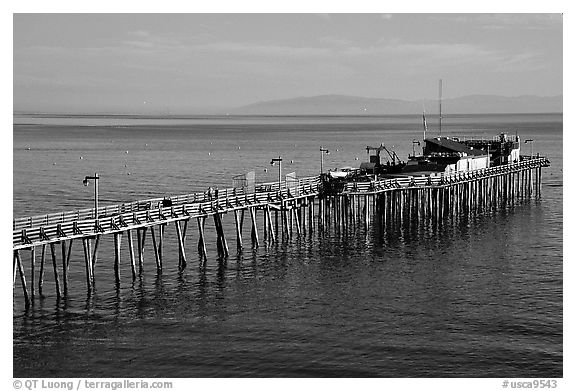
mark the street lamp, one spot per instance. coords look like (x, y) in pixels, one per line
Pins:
(531, 146)
(85, 182)
(322, 152)
(279, 161)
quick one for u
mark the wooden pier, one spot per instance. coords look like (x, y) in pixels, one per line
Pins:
(298, 208)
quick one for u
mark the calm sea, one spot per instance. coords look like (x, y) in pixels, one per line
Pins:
(478, 298)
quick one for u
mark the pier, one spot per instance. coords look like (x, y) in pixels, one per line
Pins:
(274, 211)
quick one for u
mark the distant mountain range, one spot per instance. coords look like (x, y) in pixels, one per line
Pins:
(356, 105)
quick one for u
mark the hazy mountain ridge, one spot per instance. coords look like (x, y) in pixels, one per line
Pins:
(356, 105)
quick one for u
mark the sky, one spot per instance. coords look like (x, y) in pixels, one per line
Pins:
(179, 63)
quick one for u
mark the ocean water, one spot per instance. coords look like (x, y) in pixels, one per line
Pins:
(479, 297)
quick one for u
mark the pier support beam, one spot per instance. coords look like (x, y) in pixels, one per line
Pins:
(156, 253)
(182, 253)
(22, 278)
(32, 273)
(254, 232)
(41, 274)
(238, 232)
(87, 261)
(141, 237)
(117, 243)
(55, 267)
(201, 240)
(131, 252)
(64, 268)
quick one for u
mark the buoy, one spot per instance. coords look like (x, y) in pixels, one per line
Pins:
(126, 151)
(28, 148)
(265, 170)
(291, 161)
(128, 174)
(238, 147)
(336, 150)
(355, 158)
(81, 157)
(208, 153)
(125, 165)
(54, 163)
(145, 145)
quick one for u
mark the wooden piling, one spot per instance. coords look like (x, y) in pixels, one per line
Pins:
(32, 272)
(161, 228)
(64, 268)
(55, 267)
(131, 252)
(272, 233)
(141, 237)
(182, 253)
(22, 278)
(94, 256)
(238, 232)
(201, 241)
(41, 274)
(254, 232)
(87, 260)
(155, 246)
(117, 243)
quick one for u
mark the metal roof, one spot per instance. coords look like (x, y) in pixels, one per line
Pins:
(455, 146)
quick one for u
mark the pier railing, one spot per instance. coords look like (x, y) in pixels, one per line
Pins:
(53, 227)
(150, 204)
(443, 179)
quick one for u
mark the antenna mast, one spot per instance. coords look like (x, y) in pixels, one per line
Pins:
(440, 106)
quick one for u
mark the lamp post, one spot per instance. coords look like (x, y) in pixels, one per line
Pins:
(279, 161)
(531, 146)
(85, 182)
(322, 152)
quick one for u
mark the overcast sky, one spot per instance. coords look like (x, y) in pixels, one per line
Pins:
(160, 62)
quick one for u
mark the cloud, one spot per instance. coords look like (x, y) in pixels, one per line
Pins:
(504, 21)
(139, 33)
(324, 16)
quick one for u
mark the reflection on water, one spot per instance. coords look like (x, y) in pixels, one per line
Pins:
(431, 296)
(478, 296)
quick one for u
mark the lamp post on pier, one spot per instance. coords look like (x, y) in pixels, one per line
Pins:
(322, 152)
(85, 182)
(279, 161)
(531, 146)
